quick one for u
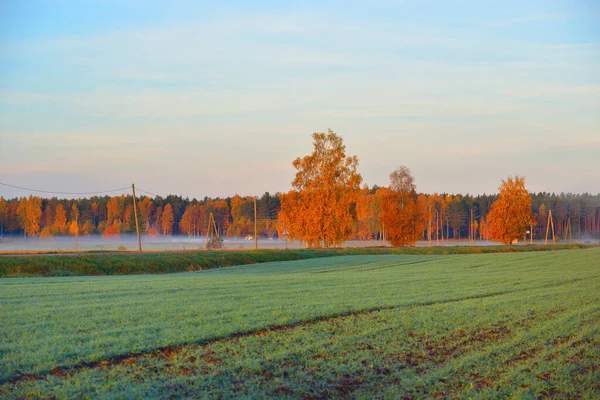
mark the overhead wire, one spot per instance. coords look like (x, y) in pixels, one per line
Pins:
(147, 192)
(59, 192)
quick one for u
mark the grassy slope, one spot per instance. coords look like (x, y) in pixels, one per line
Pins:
(477, 319)
(93, 264)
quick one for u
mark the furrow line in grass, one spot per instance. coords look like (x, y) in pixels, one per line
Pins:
(448, 356)
(116, 359)
(529, 350)
(396, 265)
(316, 319)
(477, 337)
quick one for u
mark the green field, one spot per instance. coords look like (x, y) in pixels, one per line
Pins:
(390, 326)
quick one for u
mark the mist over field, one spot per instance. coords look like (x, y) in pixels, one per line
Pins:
(184, 243)
(126, 242)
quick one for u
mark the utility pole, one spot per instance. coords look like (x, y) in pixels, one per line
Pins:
(208, 230)
(137, 225)
(550, 222)
(437, 230)
(255, 227)
(531, 233)
(429, 230)
(569, 232)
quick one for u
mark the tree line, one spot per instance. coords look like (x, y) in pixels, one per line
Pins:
(326, 206)
(113, 215)
(444, 216)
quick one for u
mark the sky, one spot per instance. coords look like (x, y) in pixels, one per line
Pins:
(217, 98)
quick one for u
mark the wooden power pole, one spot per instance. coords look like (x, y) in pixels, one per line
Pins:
(429, 230)
(569, 232)
(137, 225)
(531, 232)
(437, 228)
(550, 222)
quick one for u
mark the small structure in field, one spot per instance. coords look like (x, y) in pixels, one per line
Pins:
(213, 240)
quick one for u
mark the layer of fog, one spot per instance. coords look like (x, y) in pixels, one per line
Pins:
(158, 243)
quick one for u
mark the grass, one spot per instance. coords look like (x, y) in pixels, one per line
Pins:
(129, 263)
(391, 326)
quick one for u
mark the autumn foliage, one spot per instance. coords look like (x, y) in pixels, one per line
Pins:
(401, 213)
(325, 207)
(167, 220)
(318, 210)
(510, 215)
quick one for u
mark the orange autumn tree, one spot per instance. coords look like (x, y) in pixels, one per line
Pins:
(367, 215)
(60, 219)
(510, 215)
(30, 213)
(167, 220)
(318, 211)
(74, 225)
(240, 224)
(291, 218)
(401, 214)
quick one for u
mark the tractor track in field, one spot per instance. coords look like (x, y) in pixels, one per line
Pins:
(68, 370)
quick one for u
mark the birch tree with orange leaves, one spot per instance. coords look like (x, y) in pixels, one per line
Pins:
(365, 214)
(60, 218)
(510, 216)
(167, 220)
(400, 211)
(74, 225)
(29, 213)
(326, 184)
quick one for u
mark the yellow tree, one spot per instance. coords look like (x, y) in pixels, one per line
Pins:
(74, 225)
(240, 224)
(368, 213)
(423, 213)
(60, 218)
(113, 210)
(190, 221)
(167, 220)
(325, 186)
(510, 215)
(484, 230)
(401, 213)
(22, 214)
(30, 212)
(292, 215)
(145, 212)
(362, 214)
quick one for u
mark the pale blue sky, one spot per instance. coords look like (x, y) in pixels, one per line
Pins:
(199, 99)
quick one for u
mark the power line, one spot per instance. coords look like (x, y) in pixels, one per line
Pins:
(72, 193)
(145, 191)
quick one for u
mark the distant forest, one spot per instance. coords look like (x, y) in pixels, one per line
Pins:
(447, 217)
